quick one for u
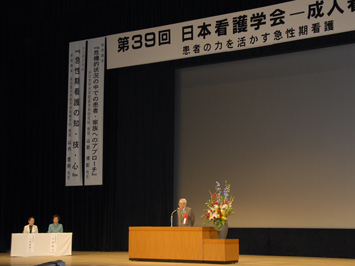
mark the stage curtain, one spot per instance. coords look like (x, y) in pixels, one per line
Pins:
(138, 118)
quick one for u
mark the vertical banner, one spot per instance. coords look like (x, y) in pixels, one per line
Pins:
(94, 111)
(76, 82)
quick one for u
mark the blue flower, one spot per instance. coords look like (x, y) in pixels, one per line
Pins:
(218, 187)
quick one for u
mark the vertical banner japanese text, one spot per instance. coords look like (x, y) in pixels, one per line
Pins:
(76, 82)
(94, 111)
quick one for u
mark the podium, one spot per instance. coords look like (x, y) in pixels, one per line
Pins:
(200, 244)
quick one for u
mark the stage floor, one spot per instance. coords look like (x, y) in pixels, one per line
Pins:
(121, 259)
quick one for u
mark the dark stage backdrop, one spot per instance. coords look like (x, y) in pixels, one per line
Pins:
(138, 123)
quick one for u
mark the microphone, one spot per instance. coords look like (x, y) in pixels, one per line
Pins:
(185, 218)
(174, 211)
(171, 217)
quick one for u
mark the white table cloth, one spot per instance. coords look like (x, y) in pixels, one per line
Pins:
(46, 244)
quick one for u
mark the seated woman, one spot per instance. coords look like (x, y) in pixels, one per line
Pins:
(55, 227)
(31, 227)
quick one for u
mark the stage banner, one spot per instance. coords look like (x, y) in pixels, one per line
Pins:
(76, 82)
(94, 111)
(290, 21)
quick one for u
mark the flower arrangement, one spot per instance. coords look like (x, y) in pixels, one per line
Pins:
(219, 207)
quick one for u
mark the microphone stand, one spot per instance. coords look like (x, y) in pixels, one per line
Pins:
(171, 217)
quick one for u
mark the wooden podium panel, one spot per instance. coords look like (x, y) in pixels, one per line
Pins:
(226, 250)
(177, 244)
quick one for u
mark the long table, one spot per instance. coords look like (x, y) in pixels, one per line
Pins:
(42, 244)
(181, 244)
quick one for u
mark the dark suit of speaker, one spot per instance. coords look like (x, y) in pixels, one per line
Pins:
(190, 220)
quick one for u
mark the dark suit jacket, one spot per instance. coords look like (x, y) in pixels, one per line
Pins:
(190, 219)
